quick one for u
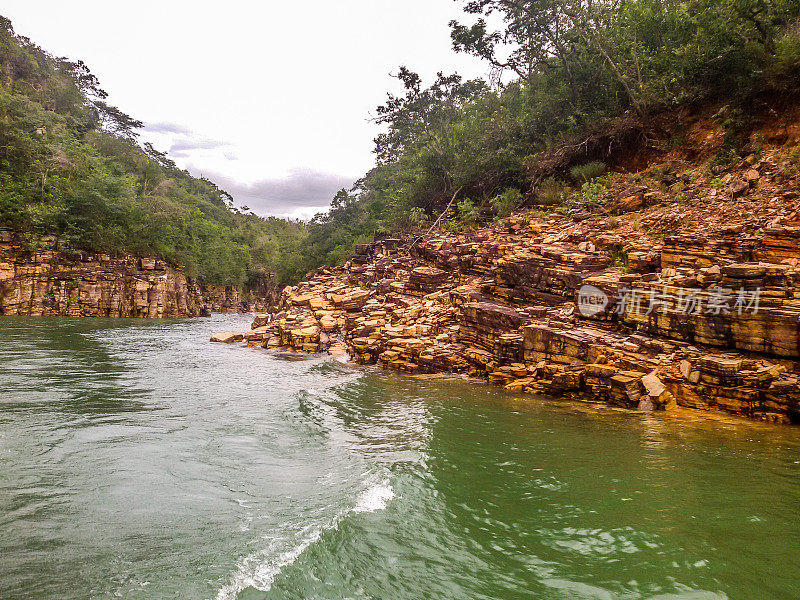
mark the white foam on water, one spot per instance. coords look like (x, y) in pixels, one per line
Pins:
(259, 570)
(582, 591)
(375, 498)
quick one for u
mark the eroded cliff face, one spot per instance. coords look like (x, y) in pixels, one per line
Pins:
(676, 286)
(39, 279)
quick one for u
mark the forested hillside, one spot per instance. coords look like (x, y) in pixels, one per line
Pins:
(70, 166)
(573, 83)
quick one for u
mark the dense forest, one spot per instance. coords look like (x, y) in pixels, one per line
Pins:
(71, 165)
(561, 70)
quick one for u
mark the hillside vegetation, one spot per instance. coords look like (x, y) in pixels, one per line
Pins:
(70, 166)
(583, 80)
(573, 84)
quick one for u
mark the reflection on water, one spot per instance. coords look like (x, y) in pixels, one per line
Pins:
(144, 462)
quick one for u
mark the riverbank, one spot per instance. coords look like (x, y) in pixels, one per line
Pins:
(677, 285)
(40, 278)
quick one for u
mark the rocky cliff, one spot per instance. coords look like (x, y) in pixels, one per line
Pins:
(676, 285)
(37, 278)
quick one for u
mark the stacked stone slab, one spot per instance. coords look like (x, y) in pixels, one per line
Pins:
(40, 279)
(503, 303)
(428, 320)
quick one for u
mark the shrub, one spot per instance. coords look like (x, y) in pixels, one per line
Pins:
(417, 216)
(784, 71)
(590, 191)
(451, 225)
(735, 122)
(676, 141)
(465, 218)
(587, 172)
(758, 144)
(467, 212)
(551, 192)
(504, 204)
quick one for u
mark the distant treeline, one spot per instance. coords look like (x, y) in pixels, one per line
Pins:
(70, 164)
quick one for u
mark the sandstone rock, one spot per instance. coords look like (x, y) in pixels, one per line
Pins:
(261, 320)
(751, 176)
(499, 304)
(720, 365)
(227, 338)
(626, 388)
(427, 277)
(259, 334)
(745, 271)
(519, 385)
(354, 300)
(667, 401)
(630, 203)
(770, 373)
(653, 385)
(50, 283)
(601, 370)
(7, 271)
(685, 368)
(738, 188)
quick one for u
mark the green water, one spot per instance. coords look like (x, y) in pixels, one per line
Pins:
(139, 461)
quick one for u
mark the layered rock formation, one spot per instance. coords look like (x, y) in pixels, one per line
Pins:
(655, 296)
(38, 279)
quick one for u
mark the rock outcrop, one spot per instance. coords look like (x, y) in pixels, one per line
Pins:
(39, 279)
(688, 297)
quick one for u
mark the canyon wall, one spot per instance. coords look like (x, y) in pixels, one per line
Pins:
(678, 286)
(39, 278)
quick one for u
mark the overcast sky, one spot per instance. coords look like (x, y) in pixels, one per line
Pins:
(270, 100)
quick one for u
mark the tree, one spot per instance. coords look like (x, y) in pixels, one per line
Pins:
(71, 166)
(116, 121)
(422, 122)
(535, 32)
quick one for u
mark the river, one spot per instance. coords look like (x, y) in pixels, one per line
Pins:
(139, 461)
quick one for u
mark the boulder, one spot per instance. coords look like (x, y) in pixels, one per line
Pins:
(751, 176)
(653, 385)
(739, 187)
(261, 320)
(630, 203)
(259, 334)
(427, 278)
(227, 338)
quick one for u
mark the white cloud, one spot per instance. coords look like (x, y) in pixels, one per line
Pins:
(301, 194)
(253, 91)
(167, 128)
